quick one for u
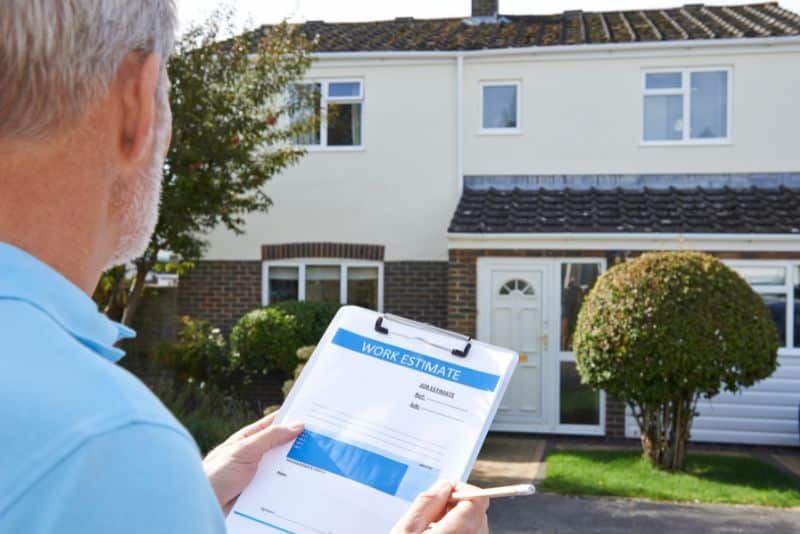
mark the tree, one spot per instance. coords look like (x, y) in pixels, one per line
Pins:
(666, 329)
(232, 131)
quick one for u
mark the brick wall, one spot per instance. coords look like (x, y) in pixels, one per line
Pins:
(353, 251)
(220, 291)
(416, 290)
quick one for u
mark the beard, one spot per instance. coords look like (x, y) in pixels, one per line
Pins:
(137, 201)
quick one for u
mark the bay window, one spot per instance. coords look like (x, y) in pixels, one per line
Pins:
(354, 282)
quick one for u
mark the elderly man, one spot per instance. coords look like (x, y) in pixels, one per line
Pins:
(84, 126)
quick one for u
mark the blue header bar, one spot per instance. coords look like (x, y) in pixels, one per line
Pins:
(413, 360)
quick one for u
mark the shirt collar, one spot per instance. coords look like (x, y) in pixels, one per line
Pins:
(24, 277)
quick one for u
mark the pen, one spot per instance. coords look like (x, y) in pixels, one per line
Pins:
(518, 490)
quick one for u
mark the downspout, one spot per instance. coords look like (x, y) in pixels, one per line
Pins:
(460, 122)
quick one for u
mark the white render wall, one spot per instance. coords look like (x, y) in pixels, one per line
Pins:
(399, 191)
(581, 113)
(584, 116)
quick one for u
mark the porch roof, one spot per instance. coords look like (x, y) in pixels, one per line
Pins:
(718, 204)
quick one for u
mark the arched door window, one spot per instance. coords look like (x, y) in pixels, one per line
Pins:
(517, 285)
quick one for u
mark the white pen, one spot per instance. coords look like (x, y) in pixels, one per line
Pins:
(518, 490)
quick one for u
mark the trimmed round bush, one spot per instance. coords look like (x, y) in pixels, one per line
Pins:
(264, 339)
(665, 329)
(312, 317)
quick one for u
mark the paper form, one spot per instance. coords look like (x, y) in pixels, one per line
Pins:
(386, 416)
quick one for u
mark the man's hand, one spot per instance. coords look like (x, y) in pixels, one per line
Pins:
(448, 517)
(231, 466)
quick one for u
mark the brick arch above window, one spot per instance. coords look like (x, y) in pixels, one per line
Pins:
(351, 251)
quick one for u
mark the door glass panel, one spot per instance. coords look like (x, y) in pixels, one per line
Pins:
(777, 308)
(362, 287)
(322, 283)
(282, 284)
(579, 404)
(576, 281)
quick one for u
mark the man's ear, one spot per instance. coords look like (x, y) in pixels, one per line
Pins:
(138, 80)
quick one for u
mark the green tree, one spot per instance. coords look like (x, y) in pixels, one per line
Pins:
(666, 329)
(232, 130)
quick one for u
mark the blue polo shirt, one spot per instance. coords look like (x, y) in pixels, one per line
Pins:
(84, 446)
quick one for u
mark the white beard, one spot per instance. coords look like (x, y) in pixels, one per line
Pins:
(138, 202)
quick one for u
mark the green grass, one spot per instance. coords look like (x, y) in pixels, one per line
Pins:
(707, 478)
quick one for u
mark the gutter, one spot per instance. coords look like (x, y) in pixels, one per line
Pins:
(700, 44)
(626, 241)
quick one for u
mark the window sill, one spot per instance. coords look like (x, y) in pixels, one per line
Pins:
(318, 148)
(682, 143)
(500, 131)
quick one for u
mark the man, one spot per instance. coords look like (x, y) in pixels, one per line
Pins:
(85, 447)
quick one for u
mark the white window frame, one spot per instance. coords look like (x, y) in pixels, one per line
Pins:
(686, 92)
(323, 109)
(787, 288)
(569, 356)
(302, 263)
(501, 131)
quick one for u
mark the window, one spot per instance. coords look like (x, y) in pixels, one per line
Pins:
(686, 106)
(323, 283)
(778, 283)
(500, 107)
(283, 284)
(349, 282)
(362, 287)
(337, 107)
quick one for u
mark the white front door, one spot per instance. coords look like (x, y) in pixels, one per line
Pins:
(530, 305)
(517, 321)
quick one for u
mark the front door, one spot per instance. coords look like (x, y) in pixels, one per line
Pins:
(518, 322)
(530, 305)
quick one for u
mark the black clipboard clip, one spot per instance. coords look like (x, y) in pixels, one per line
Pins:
(461, 353)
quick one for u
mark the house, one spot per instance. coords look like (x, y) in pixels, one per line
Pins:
(480, 173)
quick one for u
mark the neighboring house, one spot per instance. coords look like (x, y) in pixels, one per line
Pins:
(480, 173)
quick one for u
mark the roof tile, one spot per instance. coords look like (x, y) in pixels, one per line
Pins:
(570, 28)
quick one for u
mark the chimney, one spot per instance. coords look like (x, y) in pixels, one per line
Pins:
(484, 8)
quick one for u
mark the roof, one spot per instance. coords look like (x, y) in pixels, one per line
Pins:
(701, 209)
(695, 21)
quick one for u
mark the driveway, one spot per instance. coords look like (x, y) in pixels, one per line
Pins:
(555, 513)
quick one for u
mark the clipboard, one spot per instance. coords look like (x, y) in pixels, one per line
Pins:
(390, 406)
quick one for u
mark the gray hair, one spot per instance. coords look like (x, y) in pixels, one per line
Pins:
(57, 57)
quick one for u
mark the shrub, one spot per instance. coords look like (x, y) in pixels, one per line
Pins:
(207, 413)
(313, 317)
(264, 339)
(200, 353)
(665, 329)
(303, 354)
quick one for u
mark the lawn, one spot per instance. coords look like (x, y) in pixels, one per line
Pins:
(707, 478)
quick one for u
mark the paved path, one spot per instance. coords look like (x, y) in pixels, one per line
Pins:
(559, 514)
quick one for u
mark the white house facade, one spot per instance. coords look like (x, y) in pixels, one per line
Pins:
(481, 173)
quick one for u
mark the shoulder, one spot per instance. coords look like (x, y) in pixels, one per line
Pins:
(58, 395)
(137, 478)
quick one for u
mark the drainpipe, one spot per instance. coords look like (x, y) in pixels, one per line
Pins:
(460, 122)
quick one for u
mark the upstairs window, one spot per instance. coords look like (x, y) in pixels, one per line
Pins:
(337, 106)
(500, 107)
(686, 106)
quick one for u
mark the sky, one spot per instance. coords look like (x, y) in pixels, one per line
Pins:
(269, 11)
